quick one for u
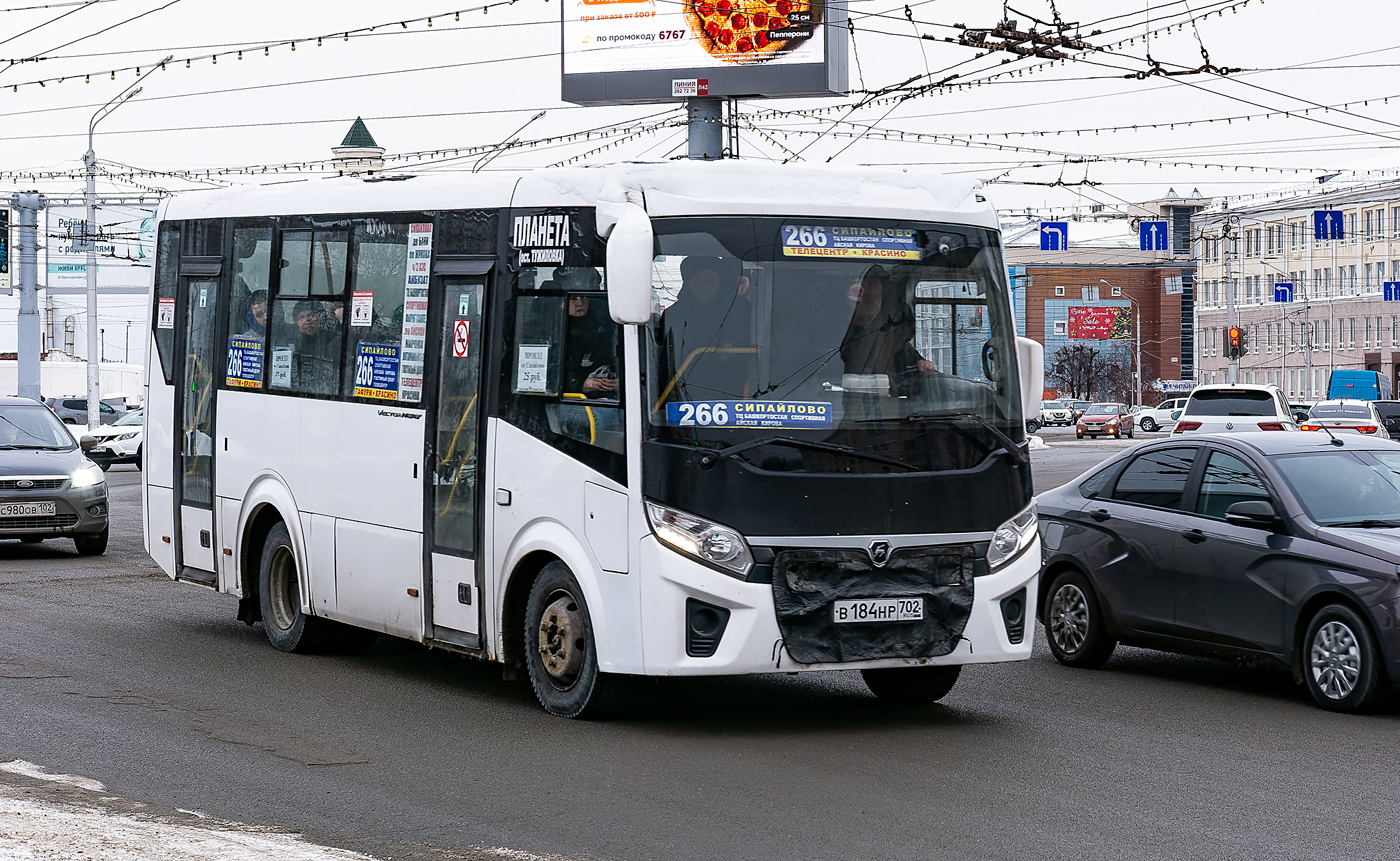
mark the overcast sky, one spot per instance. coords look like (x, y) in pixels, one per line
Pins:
(475, 81)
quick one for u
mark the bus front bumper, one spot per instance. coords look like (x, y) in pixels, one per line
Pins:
(752, 643)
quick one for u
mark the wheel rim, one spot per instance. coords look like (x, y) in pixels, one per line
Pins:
(1069, 618)
(285, 596)
(562, 641)
(1336, 660)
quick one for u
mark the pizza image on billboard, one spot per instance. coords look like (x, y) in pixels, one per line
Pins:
(751, 31)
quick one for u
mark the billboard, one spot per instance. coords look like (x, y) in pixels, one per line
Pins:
(1100, 322)
(125, 248)
(641, 51)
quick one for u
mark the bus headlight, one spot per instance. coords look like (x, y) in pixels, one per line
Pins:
(87, 476)
(1012, 537)
(705, 540)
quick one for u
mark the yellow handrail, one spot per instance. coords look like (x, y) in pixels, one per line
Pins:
(675, 378)
(592, 424)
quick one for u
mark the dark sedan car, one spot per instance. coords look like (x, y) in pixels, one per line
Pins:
(48, 489)
(1284, 545)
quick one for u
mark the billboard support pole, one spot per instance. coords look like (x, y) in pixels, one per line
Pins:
(28, 204)
(705, 128)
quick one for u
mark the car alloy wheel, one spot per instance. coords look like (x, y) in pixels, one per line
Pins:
(1335, 660)
(1069, 618)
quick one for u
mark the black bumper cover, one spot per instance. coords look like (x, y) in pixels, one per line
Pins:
(806, 582)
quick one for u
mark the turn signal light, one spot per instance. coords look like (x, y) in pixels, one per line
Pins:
(1183, 427)
(1271, 426)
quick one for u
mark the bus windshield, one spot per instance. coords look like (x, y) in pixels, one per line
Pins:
(889, 343)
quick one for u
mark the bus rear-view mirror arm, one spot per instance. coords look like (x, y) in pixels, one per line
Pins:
(629, 261)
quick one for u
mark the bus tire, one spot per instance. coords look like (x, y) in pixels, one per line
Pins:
(561, 654)
(911, 685)
(279, 595)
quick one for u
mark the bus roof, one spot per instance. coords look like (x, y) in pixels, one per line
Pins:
(728, 187)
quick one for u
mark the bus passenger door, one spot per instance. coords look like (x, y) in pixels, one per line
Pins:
(453, 494)
(195, 458)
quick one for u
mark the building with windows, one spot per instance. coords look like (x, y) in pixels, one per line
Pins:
(1103, 268)
(1336, 315)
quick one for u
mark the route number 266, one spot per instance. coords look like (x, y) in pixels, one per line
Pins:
(703, 414)
(806, 237)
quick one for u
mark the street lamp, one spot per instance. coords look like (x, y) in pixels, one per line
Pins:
(94, 393)
(1137, 337)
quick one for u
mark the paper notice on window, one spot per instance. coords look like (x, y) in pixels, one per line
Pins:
(415, 312)
(532, 368)
(282, 367)
(362, 308)
(165, 314)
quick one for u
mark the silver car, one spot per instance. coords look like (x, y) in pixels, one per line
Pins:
(48, 488)
(74, 411)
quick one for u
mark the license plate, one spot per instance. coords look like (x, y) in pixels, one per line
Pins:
(878, 610)
(28, 509)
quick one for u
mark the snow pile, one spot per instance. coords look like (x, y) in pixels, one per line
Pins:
(1036, 442)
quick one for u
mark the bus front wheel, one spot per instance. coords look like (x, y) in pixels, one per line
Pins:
(560, 652)
(279, 594)
(911, 685)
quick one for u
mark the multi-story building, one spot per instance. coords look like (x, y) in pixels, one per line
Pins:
(1103, 267)
(1338, 316)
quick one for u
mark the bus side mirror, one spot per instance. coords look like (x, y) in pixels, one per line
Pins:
(1030, 360)
(629, 262)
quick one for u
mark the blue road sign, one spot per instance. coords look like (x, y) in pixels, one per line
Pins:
(1054, 235)
(1391, 291)
(1327, 224)
(1152, 236)
(1283, 291)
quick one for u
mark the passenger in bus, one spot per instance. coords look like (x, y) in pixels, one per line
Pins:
(707, 333)
(317, 349)
(256, 316)
(877, 350)
(590, 363)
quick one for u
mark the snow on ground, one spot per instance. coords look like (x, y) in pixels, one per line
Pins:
(1037, 442)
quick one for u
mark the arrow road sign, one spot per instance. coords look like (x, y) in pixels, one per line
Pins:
(1283, 291)
(1391, 291)
(1327, 224)
(1152, 236)
(1054, 235)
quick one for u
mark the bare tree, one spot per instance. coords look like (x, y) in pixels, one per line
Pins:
(1088, 372)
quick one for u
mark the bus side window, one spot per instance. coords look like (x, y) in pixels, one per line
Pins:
(306, 316)
(374, 327)
(167, 269)
(248, 306)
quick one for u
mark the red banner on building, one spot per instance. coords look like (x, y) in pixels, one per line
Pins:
(1099, 323)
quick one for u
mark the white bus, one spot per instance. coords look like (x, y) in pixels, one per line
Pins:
(598, 423)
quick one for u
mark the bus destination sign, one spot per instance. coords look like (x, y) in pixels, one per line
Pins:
(749, 414)
(861, 243)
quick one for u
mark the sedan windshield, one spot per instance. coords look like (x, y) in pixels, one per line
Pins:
(1226, 402)
(32, 427)
(1346, 488)
(880, 338)
(1102, 410)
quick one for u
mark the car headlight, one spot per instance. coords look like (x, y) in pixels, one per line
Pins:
(1012, 537)
(131, 435)
(710, 542)
(87, 476)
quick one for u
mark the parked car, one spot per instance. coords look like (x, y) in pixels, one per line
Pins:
(1155, 418)
(1056, 413)
(1235, 407)
(48, 489)
(73, 411)
(1111, 419)
(1079, 407)
(119, 442)
(1277, 545)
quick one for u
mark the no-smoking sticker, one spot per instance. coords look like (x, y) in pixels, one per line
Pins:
(461, 336)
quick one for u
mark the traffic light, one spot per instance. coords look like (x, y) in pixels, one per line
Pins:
(1234, 341)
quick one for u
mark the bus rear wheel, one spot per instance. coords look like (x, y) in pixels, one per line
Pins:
(279, 595)
(561, 654)
(911, 685)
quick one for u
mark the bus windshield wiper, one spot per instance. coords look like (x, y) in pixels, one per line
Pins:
(1007, 442)
(711, 458)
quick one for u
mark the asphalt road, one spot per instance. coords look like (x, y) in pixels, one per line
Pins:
(110, 671)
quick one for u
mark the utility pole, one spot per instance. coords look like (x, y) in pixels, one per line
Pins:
(27, 204)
